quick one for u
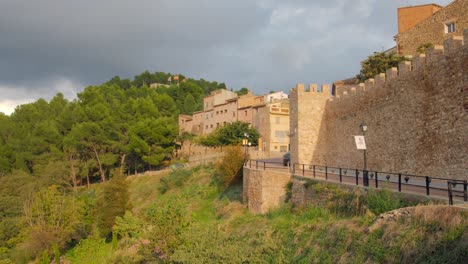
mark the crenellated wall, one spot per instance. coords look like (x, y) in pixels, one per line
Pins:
(416, 116)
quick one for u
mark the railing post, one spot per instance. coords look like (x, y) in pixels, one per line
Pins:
(314, 170)
(264, 165)
(357, 177)
(341, 176)
(256, 164)
(376, 180)
(326, 173)
(303, 172)
(428, 181)
(250, 163)
(465, 193)
(399, 182)
(449, 191)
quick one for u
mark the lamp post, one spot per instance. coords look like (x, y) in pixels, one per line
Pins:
(365, 176)
(245, 142)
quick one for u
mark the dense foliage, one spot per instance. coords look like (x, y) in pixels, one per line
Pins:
(377, 63)
(197, 220)
(49, 149)
(231, 134)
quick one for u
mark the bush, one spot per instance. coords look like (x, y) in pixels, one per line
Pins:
(174, 179)
(230, 167)
(381, 201)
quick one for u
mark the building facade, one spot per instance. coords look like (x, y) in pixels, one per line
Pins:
(430, 24)
(269, 114)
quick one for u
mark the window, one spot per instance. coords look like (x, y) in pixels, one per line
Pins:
(279, 134)
(450, 27)
(217, 125)
(245, 113)
(217, 112)
(233, 114)
(211, 126)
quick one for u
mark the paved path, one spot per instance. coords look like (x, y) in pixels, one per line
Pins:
(410, 184)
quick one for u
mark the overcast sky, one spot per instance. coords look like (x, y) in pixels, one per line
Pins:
(51, 46)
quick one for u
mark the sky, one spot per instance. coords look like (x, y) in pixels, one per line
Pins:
(52, 46)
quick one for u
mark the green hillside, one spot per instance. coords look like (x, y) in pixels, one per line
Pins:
(185, 216)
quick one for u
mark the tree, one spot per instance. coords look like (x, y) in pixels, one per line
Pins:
(113, 202)
(231, 134)
(377, 63)
(242, 91)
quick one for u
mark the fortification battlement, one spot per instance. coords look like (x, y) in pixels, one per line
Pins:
(371, 88)
(311, 90)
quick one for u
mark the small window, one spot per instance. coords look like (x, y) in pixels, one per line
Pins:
(245, 113)
(450, 27)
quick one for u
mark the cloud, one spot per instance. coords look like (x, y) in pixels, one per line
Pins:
(263, 44)
(13, 96)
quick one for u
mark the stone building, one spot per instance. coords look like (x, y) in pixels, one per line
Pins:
(429, 24)
(272, 122)
(269, 114)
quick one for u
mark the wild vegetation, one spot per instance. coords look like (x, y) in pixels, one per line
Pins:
(198, 220)
(50, 150)
(377, 63)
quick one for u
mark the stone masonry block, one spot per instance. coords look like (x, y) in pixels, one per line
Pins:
(379, 78)
(453, 43)
(326, 89)
(465, 37)
(404, 67)
(435, 53)
(419, 61)
(391, 73)
(313, 88)
(369, 83)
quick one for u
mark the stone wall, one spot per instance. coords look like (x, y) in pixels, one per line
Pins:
(416, 116)
(264, 190)
(432, 29)
(306, 113)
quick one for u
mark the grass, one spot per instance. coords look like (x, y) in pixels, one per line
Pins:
(222, 230)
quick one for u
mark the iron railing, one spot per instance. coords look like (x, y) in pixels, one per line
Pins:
(402, 182)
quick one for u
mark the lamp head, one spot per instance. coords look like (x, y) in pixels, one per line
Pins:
(363, 127)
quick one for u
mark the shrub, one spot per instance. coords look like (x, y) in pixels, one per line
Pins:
(113, 202)
(230, 167)
(174, 179)
(381, 201)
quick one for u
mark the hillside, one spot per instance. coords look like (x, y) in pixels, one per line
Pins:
(184, 216)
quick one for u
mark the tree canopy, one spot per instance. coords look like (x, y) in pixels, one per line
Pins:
(377, 63)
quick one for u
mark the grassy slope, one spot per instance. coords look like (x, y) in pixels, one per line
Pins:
(222, 230)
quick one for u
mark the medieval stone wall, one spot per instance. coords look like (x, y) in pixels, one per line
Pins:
(416, 116)
(264, 190)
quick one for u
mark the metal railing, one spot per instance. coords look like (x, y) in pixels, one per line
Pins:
(437, 187)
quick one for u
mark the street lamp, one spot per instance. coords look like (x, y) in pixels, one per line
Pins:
(245, 142)
(363, 128)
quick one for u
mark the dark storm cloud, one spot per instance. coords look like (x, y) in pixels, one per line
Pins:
(62, 45)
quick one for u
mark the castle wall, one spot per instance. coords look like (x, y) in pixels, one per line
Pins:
(417, 118)
(306, 114)
(264, 190)
(432, 30)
